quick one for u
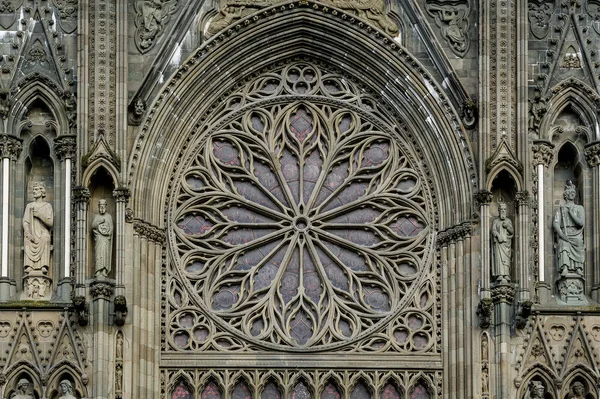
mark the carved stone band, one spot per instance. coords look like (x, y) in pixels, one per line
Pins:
(65, 146)
(543, 152)
(10, 147)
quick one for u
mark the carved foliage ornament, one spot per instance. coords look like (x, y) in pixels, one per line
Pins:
(299, 221)
(539, 14)
(373, 11)
(151, 18)
(452, 17)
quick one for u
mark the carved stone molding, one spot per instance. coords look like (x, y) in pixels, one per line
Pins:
(121, 194)
(149, 231)
(592, 153)
(81, 194)
(65, 146)
(102, 289)
(10, 147)
(151, 18)
(503, 293)
(483, 197)
(522, 198)
(484, 312)
(543, 152)
(453, 21)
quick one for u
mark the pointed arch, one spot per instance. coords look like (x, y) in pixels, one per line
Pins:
(541, 373)
(577, 95)
(410, 96)
(17, 372)
(97, 165)
(66, 371)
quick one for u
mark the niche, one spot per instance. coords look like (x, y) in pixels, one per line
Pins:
(101, 188)
(504, 190)
(567, 167)
(39, 167)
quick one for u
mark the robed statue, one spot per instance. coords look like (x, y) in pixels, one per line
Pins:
(66, 390)
(568, 225)
(502, 235)
(536, 390)
(102, 229)
(23, 391)
(37, 222)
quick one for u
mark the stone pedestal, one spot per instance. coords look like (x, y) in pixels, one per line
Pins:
(8, 288)
(37, 288)
(571, 290)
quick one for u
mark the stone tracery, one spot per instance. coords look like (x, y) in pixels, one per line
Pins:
(300, 221)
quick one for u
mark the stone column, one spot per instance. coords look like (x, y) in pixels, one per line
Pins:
(483, 198)
(81, 198)
(66, 148)
(592, 155)
(10, 149)
(543, 152)
(101, 290)
(121, 196)
(522, 250)
(503, 295)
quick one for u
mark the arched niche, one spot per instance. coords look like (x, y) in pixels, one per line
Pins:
(101, 187)
(568, 166)
(586, 386)
(53, 390)
(504, 189)
(536, 377)
(14, 384)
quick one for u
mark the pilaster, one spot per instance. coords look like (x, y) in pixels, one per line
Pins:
(592, 156)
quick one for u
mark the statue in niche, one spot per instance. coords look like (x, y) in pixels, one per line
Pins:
(102, 228)
(23, 390)
(66, 390)
(536, 390)
(502, 235)
(577, 391)
(37, 222)
(568, 224)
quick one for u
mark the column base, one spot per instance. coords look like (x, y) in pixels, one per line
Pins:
(8, 288)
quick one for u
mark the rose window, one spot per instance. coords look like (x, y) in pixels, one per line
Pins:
(299, 221)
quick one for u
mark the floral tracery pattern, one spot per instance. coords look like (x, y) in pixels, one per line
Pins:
(299, 221)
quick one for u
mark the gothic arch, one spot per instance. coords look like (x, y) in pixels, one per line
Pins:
(379, 63)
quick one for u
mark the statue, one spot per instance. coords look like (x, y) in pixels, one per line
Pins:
(66, 390)
(536, 390)
(102, 228)
(22, 390)
(37, 222)
(502, 234)
(578, 391)
(568, 224)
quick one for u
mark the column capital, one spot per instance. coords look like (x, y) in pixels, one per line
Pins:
(543, 152)
(65, 146)
(592, 153)
(121, 194)
(102, 289)
(522, 197)
(10, 147)
(81, 194)
(483, 197)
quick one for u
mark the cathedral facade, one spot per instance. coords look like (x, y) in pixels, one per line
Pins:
(300, 199)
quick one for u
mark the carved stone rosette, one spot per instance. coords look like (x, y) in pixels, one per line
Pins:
(65, 146)
(10, 147)
(592, 153)
(543, 152)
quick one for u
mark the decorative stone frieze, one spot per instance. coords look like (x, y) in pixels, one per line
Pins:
(592, 153)
(454, 234)
(65, 146)
(149, 231)
(10, 147)
(102, 289)
(81, 194)
(543, 152)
